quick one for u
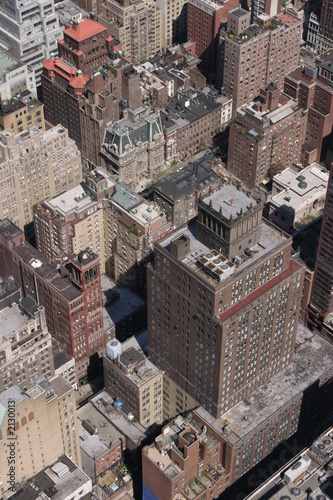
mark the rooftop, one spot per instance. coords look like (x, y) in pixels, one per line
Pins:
(61, 480)
(270, 239)
(12, 320)
(232, 201)
(193, 177)
(84, 29)
(126, 303)
(302, 475)
(187, 110)
(76, 199)
(284, 109)
(8, 63)
(60, 357)
(131, 429)
(132, 355)
(39, 265)
(300, 187)
(102, 436)
(313, 359)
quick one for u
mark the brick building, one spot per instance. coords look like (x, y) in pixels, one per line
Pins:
(106, 216)
(189, 124)
(205, 295)
(178, 193)
(70, 294)
(98, 106)
(267, 136)
(82, 51)
(311, 87)
(84, 46)
(203, 23)
(198, 454)
(321, 303)
(101, 444)
(252, 56)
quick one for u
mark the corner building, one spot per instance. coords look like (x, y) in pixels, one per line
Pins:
(223, 308)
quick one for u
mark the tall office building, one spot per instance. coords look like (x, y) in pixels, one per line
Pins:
(30, 29)
(252, 56)
(207, 297)
(36, 427)
(270, 7)
(267, 136)
(326, 19)
(203, 23)
(137, 25)
(35, 165)
(174, 21)
(64, 79)
(321, 305)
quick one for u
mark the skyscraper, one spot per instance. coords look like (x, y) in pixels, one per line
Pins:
(321, 305)
(31, 29)
(207, 297)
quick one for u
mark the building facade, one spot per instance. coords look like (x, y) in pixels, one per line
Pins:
(17, 113)
(321, 304)
(178, 193)
(137, 26)
(311, 86)
(205, 296)
(267, 136)
(203, 23)
(107, 217)
(43, 422)
(31, 31)
(26, 349)
(259, 54)
(131, 378)
(133, 148)
(70, 293)
(35, 165)
(17, 77)
(189, 124)
(99, 106)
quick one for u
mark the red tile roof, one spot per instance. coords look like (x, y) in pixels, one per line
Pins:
(78, 81)
(293, 266)
(85, 29)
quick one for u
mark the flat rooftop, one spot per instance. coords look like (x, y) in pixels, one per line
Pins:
(75, 199)
(132, 430)
(133, 354)
(313, 359)
(61, 480)
(283, 110)
(12, 320)
(314, 479)
(127, 304)
(106, 435)
(300, 187)
(270, 239)
(232, 201)
(8, 63)
(41, 267)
